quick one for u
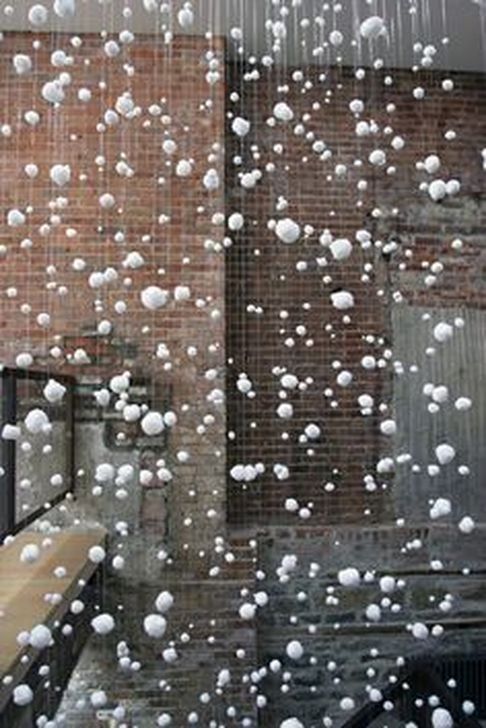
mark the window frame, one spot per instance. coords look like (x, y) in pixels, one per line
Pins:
(9, 379)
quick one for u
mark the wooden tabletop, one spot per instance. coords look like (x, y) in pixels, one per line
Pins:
(23, 586)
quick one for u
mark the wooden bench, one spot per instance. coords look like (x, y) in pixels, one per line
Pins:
(23, 588)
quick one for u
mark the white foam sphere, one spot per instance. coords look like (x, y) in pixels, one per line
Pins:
(40, 637)
(372, 27)
(445, 453)
(164, 602)
(64, 8)
(154, 297)
(349, 577)
(466, 525)
(153, 424)
(240, 126)
(283, 112)
(342, 300)
(247, 611)
(441, 718)
(294, 650)
(288, 231)
(103, 624)
(30, 553)
(38, 15)
(155, 625)
(341, 248)
(36, 421)
(22, 695)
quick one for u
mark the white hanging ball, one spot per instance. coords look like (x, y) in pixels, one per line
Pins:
(287, 231)
(466, 525)
(294, 650)
(36, 421)
(15, 218)
(164, 602)
(240, 126)
(104, 472)
(247, 611)
(373, 613)
(387, 584)
(103, 624)
(420, 631)
(153, 424)
(440, 508)
(164, 719)
(291, 723)
(154, 297)
(347, 704)
(344, 378)
(462, 404)
(64, 8)
(183, 168)
(437, 190)
(283, 112)
(104, 327)
(432, 164)
(341, 248)
(53, 92)
(107, 201)
(285, 410)
(38, 15)
(342, 300)
(98, 698)
(60, 174)
(236, 221)
(155, 625)
(312, 431)
(31, 170)
(22, 63)
(445, 453)
(291, 505)
(24, 360)
(40, 637)
(443, 332)
(336, 38)
(388, 427)
(96, 554)
(441, 718)
(349, 577)
(211, 180)
(185, 17)
(30, 553)
(377, 158)
(22, 694)
(372, 27)
(54, 391)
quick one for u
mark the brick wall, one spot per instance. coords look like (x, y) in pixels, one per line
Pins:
(262, 271)
(174, 78)
(349, 446)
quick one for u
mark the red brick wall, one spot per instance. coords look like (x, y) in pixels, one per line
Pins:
(350, 444)
(175, 77)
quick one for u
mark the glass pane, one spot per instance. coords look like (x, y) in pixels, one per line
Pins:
(42, 458)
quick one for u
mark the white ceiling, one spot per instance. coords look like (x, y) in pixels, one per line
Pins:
(464, 21)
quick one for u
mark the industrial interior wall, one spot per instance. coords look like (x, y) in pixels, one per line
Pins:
(228, 338)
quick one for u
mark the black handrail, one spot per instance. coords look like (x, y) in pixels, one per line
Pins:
(9, 379)
(418, 676)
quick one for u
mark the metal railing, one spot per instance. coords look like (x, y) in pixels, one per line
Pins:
(426, 676)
